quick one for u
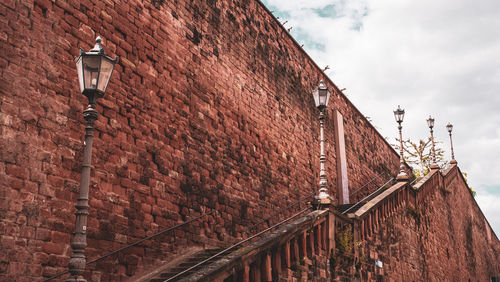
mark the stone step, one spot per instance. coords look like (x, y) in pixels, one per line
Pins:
(167, 275)
(186, 264)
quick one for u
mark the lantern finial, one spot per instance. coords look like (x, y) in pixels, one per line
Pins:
(98, 47)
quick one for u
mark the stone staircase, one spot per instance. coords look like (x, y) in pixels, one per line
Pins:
(169, 273)
(295, 251)
(286, 254)
(322, 245)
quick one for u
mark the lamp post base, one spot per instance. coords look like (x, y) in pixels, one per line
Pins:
(322, 203)
(76, 279)
(434, 166)
(402, 177)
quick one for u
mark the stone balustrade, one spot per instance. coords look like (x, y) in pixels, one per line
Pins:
(375, 211)
(423, 187)
(297, 250)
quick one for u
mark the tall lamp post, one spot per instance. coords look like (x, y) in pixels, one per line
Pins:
(321, 96)
(399, 115)
(430, 123)
(94, 71)
(449, 126)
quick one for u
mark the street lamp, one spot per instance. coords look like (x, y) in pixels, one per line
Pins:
(450, 128)
(399, 114)
(321, 96)
(430, 123)
(94, 71)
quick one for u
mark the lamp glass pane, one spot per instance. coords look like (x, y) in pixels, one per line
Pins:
(430, 122)
(79, 68)
(322, 97)
(105, 74)
(316, 97)
(327, 97)
(91, 71)
(399, 115)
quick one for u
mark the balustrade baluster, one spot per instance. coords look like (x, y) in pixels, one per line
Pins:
(311, 244)
(255, 273)
(287, 255)
(362, 229)
(296, 252)
(246, 273)
(379, 219)
(277, 262)
(318, 240)
(370, 224)
(303, 240)
(266, 268)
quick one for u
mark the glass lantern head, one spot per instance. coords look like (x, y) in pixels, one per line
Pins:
(94, 71)
(449, 126)
(399, 114)
(321, 96)
(430, 122)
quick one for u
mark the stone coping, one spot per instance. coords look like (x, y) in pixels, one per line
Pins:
(377, 200)
(424, 179)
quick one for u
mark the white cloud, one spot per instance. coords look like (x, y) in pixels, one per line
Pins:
(431, 57)
(295, 5)
(491, 209)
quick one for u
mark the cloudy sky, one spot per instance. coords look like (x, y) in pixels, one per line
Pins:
(439, 58)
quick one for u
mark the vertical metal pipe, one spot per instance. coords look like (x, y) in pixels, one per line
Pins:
(402, 176)
(78, 261)
(323, 184)
(434, 165)
(401, 159)
(433, 148)
(452, 161)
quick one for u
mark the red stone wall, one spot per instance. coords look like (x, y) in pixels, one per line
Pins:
(209, 107)
(445, 238)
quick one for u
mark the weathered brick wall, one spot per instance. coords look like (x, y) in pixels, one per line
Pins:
(209, 107)
(446, 238)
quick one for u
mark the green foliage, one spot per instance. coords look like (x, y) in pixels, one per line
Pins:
(473, 193)
(344, 239)
(419, 155)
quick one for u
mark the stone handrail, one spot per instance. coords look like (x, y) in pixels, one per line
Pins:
(375, 211)
(425, 185)
(277, 255)
(449, 174)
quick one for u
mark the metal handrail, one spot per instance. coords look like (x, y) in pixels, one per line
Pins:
(415, 180)
(235, 245)
(280, 211)
(137, 242)
(390, 180)
(373, 179)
